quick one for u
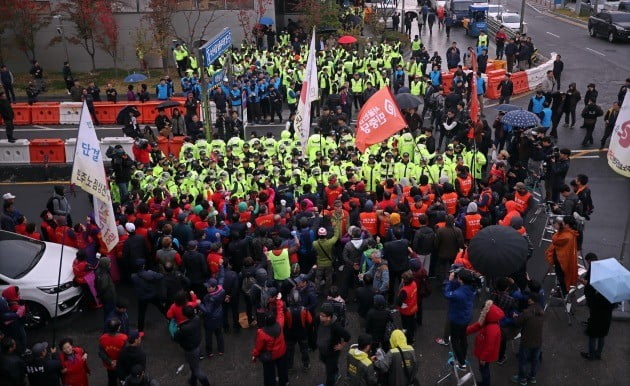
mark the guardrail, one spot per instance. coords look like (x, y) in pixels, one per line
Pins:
(494, 25)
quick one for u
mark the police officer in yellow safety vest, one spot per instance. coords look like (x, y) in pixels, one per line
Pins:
(292, 98)
(356, 90)
(482, 42)
(181, 58)
(417, 87)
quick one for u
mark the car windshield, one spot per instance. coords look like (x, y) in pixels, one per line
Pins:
(461, 5)
(18, 255)
(511, 19)
(621, 18)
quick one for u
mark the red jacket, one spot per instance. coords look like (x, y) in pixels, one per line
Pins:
(271, 338)
(77, 368)
(142, 155)
(488, 339)
(111, 345)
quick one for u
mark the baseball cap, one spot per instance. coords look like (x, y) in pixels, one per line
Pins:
(39, 348)
(322, 231)
(130, 227)
(8, 196)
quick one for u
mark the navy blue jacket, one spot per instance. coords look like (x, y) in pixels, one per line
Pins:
(212, 309)
(460, 299)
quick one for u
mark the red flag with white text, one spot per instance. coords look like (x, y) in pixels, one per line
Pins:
(379, 119)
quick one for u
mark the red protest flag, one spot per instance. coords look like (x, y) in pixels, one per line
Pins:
(474, 101)
(379, 119)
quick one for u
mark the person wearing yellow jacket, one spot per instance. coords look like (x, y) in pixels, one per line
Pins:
(440, 169)
(371, 173)
(476, 160)
(405, 168)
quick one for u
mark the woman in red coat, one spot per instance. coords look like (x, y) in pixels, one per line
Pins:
(270, 346)
(488, 340)
(74, 362)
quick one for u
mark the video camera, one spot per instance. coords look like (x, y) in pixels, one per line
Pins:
(467, 276)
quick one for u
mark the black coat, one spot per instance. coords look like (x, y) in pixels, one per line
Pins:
(135, 248)
(189, 334)
(195, 267)
(600, 315)
(396, 254)
(129, 357)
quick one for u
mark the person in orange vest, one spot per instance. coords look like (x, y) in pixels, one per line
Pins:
(332, 191)
(338, 214)
(485, 199)
(369, 219)
(472, 222)
(418, 208)
(510, 207)
(407, 302)
(449, 198)
(464, 182)
(523, 198)
(264, 219)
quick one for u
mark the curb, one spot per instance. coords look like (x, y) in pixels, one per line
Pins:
(565, 17)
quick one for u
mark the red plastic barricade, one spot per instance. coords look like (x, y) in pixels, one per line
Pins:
(447, 82)
(521, 84)
(106, 111)
(176, 145)
(162, 143)
(45, 113)
(500, 73)
(22, 113)
(47, 150)
(491, 88)
(149, 112)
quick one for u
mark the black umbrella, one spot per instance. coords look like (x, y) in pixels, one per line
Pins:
(167, 104)
(498, 250)
(407, 101)
(123, 114)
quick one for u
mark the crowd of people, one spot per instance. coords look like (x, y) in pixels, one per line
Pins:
(294, 239)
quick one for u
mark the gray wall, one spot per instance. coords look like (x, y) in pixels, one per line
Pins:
(52, 58)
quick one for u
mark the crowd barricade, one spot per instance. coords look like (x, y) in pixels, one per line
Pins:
(500, 73)
(499, 64)
(69, 146)
(492, 91)
(176, 145)
(106, 112)
(47, 150)
(14, 153)
(70, 113)
(536, 75)
(148, 111)
(519, 79)
(46, 113)
(125, 142)
(21, 113)
(163, 145)
(447, 82)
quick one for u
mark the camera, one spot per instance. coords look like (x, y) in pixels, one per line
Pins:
(467, 276)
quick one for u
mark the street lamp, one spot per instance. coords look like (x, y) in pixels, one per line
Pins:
(60, 31)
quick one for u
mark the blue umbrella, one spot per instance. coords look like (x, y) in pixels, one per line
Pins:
(505, 107)
(611, 279)
(134, 78)
(521, 119)
(266, 20)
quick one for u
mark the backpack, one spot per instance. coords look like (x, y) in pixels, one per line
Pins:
(306, 242)
(264, 295)
(248, 284)
(394, 322)
(50, 206)
(339, 310)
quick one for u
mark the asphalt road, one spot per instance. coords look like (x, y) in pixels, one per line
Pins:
(605, 234)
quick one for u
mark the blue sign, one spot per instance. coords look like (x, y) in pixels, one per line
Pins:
(215, 47)
(216, 79)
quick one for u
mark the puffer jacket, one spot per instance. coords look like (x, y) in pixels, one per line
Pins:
(488, 340)
(271, 338)
(212, 308)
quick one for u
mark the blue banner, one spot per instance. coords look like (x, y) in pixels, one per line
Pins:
(216, 79)
(215, 47)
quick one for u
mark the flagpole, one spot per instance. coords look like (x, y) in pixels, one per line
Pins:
(54, 321)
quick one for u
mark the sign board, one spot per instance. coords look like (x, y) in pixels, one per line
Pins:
(216, 79)
(215, 47)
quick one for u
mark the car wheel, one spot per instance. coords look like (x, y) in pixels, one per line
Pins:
(591, 32)
(36, 316)
(611, 37)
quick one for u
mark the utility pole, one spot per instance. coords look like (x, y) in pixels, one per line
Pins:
(521, 25)
(61, 33)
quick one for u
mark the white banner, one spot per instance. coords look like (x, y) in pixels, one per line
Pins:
(308, 94)
(88, 173)
(619, 149)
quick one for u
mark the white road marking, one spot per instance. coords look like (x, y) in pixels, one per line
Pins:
(585, 156)
(594, 51)
(43, 127)
(552, 34)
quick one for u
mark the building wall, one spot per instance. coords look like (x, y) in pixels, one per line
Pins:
(52, 57)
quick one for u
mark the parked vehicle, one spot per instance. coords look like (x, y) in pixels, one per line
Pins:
(511, 20)
(33, 266)
(614, 25)
(476, 20)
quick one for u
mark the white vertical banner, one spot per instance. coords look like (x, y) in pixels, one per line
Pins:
(308, 94)
(88, 173)
(619, 148)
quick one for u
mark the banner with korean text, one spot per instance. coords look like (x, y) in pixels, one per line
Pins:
(619, 148)
(308, 94)
(88, 173)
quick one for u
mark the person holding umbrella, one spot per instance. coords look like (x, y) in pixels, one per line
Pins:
(562, 255)
(600, 314)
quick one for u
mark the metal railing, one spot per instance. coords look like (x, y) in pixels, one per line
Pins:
(494, 25)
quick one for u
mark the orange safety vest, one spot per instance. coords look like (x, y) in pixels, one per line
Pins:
(383, 226)
(450, 202)
(473, 225)
(465, 185)
(415, 213)
(485, 208)
(522, 201)
(369, 221)
(344, 218)
(425, 189)
(405, 191)
(265, 221)
(410, 304)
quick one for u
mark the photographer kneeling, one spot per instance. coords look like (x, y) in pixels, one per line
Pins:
(569, 204)
(459, 292)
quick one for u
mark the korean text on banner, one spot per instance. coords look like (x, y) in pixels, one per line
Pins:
(308, 94)
(619, 149)
(215, 47)
(378, 119)
(88, 173)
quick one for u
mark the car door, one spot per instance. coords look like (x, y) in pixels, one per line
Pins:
(604, 24)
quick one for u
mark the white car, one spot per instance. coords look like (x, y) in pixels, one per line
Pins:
(495, 10)
(33, 266)
(511, 21)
